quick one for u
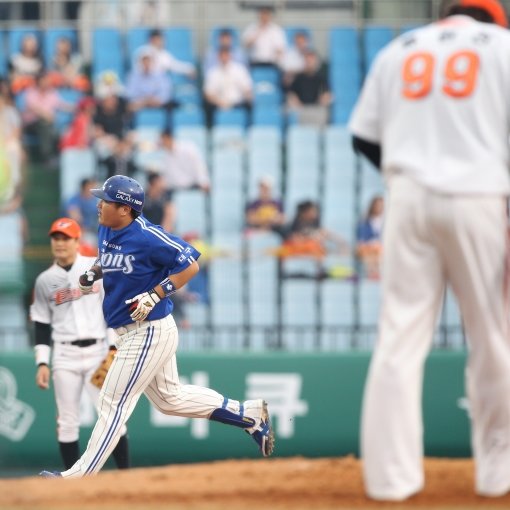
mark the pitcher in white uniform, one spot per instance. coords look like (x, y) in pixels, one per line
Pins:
(74, 325)
(434, 115)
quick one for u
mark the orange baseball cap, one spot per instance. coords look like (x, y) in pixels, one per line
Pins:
(493, 7)
(66, 226)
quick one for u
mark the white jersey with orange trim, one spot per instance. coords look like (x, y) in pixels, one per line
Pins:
(59, 302)
(458, 70)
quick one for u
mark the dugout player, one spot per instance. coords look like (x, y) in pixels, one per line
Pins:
(142, 265)
(74, 325)
(434, 115)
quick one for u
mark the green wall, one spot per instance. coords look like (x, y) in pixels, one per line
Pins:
(314, 398)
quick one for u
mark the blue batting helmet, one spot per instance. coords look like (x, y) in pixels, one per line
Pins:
(123, 190)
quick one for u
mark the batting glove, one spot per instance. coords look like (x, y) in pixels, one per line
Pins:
(142, 304)
(86, 281)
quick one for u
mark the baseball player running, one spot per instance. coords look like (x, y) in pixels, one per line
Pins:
(434, 114)
(76, 325)
(142, 266)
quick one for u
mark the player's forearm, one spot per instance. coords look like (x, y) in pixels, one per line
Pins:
(178, 280)
(42, 343)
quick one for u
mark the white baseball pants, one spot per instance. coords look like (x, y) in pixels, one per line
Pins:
(145, 363)
(431, 240)
(72, 367)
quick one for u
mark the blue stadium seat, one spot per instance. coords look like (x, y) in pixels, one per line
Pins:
(264, 157)
(135, 37)
(187, 116)
(234, 117)
(51, 37)
(215, 32)
(375, 38)
(336, 299)
(227, 158)
(344, 47)
(339, 182)
(196, 134)
(107, 52)
(3, 54)
(266, 86)
(151, 117)
(191, 211)
(179, 43)
(75, 165)
(303, 165)
(185, 90)
(291, 32)
(268, 116)
(16, 35)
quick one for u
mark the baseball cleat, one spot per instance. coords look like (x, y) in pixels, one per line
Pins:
(263, 435)
(50, 474)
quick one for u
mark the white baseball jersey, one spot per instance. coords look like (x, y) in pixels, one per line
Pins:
(59, 302)
(437, 101)
(460, 76)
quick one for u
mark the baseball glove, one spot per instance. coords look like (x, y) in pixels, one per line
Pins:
(99, 375)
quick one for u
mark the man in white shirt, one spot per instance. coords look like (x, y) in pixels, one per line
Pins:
(265, 39)
(227, 85)
(182, 165)
(163, 60)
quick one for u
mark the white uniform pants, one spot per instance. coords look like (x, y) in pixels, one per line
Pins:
(431, 240)
(145, 362)
(72, 368)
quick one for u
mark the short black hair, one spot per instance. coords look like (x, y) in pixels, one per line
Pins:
(225, 31)
(155, 32)
(167, 132)
(476, 13)
(152, 176)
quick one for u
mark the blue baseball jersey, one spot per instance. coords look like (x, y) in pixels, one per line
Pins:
(134, 260)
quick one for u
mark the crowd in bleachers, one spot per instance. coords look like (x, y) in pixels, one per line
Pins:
(203, 133)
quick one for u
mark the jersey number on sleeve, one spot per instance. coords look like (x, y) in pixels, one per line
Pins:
(459, 74)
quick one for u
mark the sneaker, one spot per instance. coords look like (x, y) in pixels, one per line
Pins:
(50, 474)
(263, 434)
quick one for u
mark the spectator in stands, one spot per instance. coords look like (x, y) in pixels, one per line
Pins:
(11, 151)
(26, 64)
(66, 67)
(110, 124)
(146, 87)
(42, 102)
(305, 236)
(265, 212)
(121, 161)
(163, 60)
(265, 39)
(225, 40)
(158, 207)
(227, 85)
(293, 61)
(182, 165)
(79, 133)
(309, 94)
(82, 208)
(368, 237)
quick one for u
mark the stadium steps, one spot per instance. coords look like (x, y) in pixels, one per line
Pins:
(41, 206)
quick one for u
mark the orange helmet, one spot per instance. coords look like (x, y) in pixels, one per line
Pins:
(493, 7)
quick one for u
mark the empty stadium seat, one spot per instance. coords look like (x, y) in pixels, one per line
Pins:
(237, 117)
(344, 47)
(64, 118)
(3, 54)
(52, 36)
(196, 134)
(185, 90)
(107, 52)
(75, 165)
(375, 38)
(264, 157)
(187, 116)
(267, 115)
(303, 165)
(151, 117)
(191, 206)
(179, 42)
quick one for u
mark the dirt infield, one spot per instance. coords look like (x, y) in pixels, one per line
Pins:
(294, 483)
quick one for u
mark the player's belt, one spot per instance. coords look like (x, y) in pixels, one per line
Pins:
(83, 343)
